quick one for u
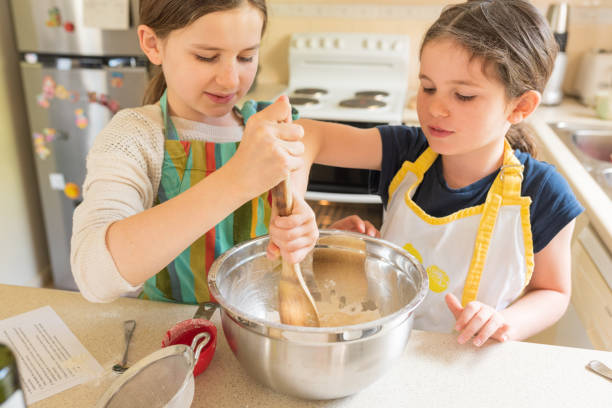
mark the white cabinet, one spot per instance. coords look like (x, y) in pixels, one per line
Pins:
(588, 321)
(591, 295)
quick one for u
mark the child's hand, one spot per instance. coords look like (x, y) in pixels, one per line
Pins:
(356, 224)
(294, 236)
(477, 319)
(270, 149)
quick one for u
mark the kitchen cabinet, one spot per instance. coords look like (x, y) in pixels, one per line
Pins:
(591, 295)
(591, 260)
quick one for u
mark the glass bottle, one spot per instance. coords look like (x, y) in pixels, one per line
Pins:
(11, 395)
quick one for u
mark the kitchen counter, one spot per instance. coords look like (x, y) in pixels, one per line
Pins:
(434, 370)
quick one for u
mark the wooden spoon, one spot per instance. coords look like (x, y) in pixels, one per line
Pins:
(295, 303)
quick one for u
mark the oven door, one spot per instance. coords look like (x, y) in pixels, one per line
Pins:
(339, 184)
(337, 192)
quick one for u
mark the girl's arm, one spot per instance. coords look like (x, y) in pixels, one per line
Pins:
(544, 302)
(268, 152)
(548, 294)
(145, 243)
(339, 145)
(118, 240)
(325, 143)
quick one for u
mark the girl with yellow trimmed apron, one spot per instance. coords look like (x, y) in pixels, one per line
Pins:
(464, 192)
(497, 234)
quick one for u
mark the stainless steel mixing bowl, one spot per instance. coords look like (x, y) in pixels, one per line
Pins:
(321, 362)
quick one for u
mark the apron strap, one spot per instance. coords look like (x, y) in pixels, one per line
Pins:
(511, 173)
(507, 184)
(418, 168)
(424, 161)
(481, 248)
(171, 133)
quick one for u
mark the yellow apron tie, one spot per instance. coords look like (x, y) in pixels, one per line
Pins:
(507, 185)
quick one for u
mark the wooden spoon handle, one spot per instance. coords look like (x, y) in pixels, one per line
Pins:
(282, 198)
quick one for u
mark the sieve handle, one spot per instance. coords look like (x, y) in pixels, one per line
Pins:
(198, 349)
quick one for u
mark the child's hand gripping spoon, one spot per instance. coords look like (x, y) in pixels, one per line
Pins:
(295, 303)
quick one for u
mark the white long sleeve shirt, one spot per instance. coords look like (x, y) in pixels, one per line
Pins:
(124, 169)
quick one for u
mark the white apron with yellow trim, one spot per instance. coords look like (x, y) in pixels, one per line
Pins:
(482, 253)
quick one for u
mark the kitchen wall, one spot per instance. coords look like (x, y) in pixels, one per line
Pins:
(590, 26)
(23, 252)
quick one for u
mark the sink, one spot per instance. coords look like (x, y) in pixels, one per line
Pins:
(592, 146)
(596, 143)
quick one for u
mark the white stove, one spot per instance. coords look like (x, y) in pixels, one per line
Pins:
(358, 79)
(349, 77)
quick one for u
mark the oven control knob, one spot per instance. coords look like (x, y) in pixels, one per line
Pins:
(326, 43)
(299, 43)
(397, 46)
(382, 45)
(368, 44)
(339, 43)
(310, 43)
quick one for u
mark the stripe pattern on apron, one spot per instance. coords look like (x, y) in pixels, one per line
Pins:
(185, 164)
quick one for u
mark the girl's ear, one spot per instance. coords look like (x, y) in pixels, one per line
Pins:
(150, 44)
(524, 106)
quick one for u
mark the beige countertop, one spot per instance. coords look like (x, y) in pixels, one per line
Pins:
(434, 371)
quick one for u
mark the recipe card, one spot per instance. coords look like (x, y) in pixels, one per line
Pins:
(49, 356)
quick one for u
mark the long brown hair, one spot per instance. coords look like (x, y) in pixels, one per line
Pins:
(510, 35)
(164, 16)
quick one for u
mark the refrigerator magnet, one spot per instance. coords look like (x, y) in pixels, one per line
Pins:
(61, 92)
(50, 134)
(42, 101)
(57, 181)
(113, 106)
(54, 18)
(41, 149)
(48, 87)
(116, 79)
(80, 119)
(72, 191)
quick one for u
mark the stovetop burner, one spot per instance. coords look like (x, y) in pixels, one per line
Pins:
(362, 103)
(302, 101)
(372, 94)
(311, 92)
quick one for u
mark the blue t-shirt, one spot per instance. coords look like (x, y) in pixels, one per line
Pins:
(553, 203)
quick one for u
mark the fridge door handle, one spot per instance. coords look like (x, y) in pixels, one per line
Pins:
(62, 135)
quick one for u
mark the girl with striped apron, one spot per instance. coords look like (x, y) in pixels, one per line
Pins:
(185, 164)
(497, 235)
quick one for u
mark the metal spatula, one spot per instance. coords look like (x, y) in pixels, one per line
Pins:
(295, 304)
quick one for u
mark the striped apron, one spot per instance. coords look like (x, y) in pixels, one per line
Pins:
(185, 164)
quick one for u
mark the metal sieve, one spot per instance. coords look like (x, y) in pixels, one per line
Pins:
(163, 379)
